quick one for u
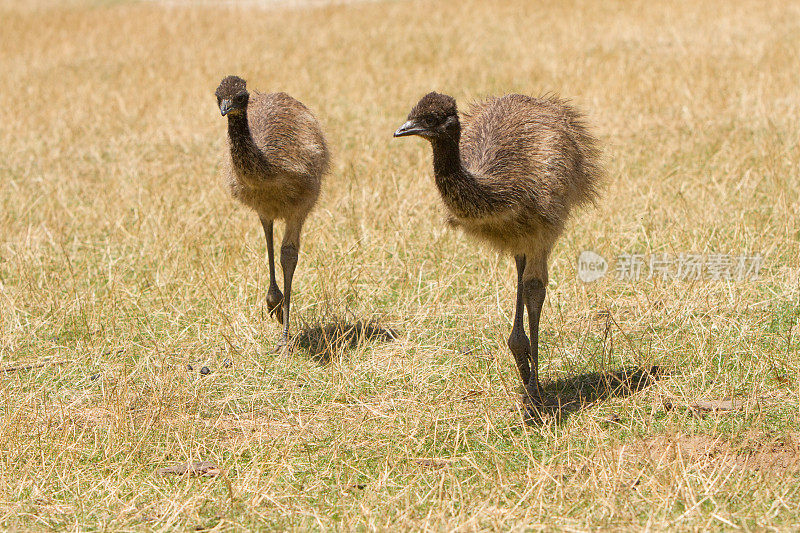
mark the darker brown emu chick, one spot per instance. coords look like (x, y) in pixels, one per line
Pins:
(278, 156)
(510, 175)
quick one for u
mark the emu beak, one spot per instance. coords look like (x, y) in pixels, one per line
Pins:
(409, 128)
(225, 107)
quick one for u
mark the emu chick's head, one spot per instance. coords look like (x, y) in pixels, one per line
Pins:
(434, 117)
(232, 96)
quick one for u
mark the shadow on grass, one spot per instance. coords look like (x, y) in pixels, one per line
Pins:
(566, 396)
(325, 342)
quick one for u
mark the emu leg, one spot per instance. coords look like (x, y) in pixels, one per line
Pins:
(535, 292)
(289, 251)
(274, 294)
(518, 342)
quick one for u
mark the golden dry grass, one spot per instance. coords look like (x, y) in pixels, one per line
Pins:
(122, 260)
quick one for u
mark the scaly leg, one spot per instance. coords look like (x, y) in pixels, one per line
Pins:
(518, 342)
(289, 251)
(535, 290)
(274, 294)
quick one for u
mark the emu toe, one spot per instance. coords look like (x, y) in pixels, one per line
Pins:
(282, 346)
(275, 304)
(534, 395)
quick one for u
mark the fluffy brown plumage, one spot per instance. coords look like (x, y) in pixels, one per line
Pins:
(278, 157)
(510, 171)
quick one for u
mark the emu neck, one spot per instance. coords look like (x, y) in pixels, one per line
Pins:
(447, 159)
(461, 191)
(246, 156)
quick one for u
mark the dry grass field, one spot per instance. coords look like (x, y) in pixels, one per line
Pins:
(123, 262)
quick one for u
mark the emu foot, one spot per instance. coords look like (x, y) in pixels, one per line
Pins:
(275, 303)
(520, 347)
(534, 395)
(283, 346)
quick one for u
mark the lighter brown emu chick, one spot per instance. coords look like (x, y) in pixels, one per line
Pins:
(511, 175)
(278, 156)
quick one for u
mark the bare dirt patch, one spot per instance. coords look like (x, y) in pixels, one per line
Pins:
(91, 417)
(759, 454)
(79, 417)
(192, 468)
(272, 425)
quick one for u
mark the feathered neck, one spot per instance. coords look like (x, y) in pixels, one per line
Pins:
(463, 192)
(246, 156)
(447, 156)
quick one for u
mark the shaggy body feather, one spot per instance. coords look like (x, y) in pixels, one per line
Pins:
(278, 156)
(526, 162)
